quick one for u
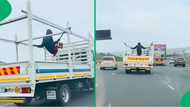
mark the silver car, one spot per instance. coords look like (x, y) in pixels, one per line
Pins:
(108, 62)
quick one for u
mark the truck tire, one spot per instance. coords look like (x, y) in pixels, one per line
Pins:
(102, 68)
(63, 94)
(148, 71)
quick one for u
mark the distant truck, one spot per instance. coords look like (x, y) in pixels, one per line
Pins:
(133, 62)
(159, 54)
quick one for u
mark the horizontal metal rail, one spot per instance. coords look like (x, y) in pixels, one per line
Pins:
(13, 20)
(55, 34)
(46, 22)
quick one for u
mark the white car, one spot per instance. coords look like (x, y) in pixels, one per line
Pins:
(171, 61)
(108, 62)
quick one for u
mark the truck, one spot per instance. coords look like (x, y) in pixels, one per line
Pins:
(159, 54)
(133, 63)
(54, 78)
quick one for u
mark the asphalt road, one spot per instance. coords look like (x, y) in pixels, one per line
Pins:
(82, 99)
(163, 87)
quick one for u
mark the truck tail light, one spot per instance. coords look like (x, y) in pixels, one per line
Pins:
(17, 90)
(26, 90)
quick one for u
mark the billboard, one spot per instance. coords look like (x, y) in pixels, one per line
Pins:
(160, 50)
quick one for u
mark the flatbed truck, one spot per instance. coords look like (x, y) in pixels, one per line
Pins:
(55, 78)
(133, 63)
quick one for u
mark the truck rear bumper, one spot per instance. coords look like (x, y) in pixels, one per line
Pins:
(138, 68)
(12, 100)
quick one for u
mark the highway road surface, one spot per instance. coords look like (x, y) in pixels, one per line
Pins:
(164, 87)
(82, 99)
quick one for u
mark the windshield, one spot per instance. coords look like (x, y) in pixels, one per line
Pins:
(108, 58)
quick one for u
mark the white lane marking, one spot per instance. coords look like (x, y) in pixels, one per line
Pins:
(6, 104)
(113, 73)
(96, 84)
(109, 105)
(172, 88)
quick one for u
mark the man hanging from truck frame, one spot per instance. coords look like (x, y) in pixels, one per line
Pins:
(139, 48)
(51, 45)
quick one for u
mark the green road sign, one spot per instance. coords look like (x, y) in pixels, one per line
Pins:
(185, 101)
(5, 9)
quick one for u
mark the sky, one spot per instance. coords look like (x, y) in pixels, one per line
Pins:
(145, 21)
(79, 14)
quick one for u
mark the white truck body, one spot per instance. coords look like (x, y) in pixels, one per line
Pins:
(15, 76)
(144, 62)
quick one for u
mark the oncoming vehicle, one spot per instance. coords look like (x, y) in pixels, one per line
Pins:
(179, 62)
(108, 62)
(133, 62)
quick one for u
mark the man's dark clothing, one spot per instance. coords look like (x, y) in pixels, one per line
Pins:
(139, 48)
(49, 44)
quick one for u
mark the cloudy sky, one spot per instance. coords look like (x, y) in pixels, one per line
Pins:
(158, 21)
(77, 12)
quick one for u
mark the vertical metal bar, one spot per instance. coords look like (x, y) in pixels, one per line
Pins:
(31, 60)
(16, 46)
(152, 52)
(58, 56)
(91, 54)
(69, 51)
(45, 55)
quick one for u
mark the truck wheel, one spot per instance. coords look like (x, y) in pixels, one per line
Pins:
(102, 68)
(148, 71)
(115, 68)
(64, 94)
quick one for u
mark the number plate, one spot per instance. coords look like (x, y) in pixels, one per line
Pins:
(139, 65)
(51, 94)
